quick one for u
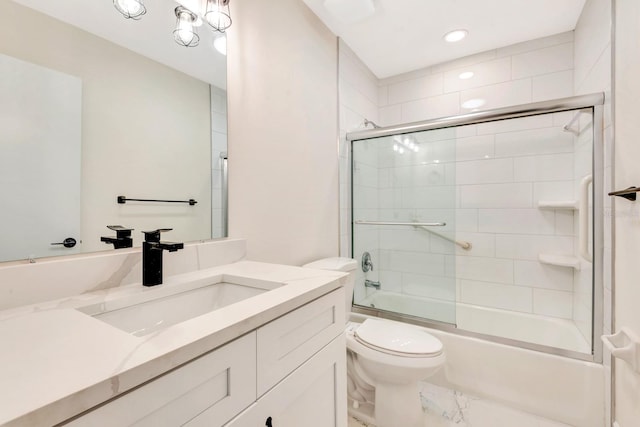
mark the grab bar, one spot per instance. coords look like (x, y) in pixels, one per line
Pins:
(464, 245)
(583, 218)
(409, 224)
(568, 126)
(423, 226)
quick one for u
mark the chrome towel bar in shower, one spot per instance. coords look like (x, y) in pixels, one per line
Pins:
(409, 224)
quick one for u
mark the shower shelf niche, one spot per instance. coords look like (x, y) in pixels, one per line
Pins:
(561, 204)
(560, 260)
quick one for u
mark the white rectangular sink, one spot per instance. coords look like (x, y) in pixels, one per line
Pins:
(156, 312)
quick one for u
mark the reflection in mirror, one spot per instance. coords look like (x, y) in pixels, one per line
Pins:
(94, 106)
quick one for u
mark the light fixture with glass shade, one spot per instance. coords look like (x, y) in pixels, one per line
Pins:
(189, 15)
(185, 33)
(217, 14)
(130, 9)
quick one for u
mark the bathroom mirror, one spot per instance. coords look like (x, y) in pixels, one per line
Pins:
(94, 106)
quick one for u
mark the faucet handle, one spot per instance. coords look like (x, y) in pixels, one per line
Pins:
(119, 228)
(154, 236)
(121, 231)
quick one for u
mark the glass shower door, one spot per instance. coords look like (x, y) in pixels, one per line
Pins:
(487, 226)
(404, 200)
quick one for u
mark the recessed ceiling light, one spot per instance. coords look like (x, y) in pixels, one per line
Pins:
(455, 35)
(473, 103)
(466, 75)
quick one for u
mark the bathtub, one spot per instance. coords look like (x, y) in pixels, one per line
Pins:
(552, 386)
(536, 329)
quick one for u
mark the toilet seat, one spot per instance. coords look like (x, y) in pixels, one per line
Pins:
(398, 340)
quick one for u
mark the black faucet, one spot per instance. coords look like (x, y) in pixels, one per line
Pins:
(123, 237)
(152, 249)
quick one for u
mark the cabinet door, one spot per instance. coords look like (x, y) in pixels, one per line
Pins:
(220, 384)
(287, 342)
(314, 395)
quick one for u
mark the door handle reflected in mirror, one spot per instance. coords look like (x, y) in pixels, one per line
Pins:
(69, 242)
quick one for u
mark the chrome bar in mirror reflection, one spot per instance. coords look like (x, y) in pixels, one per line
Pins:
(410, 224)
(225, 193)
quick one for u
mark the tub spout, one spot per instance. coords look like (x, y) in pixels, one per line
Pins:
(371, 284)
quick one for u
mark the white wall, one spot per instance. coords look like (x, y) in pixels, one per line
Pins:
(283, 132)
(145, 129)
(627, 214)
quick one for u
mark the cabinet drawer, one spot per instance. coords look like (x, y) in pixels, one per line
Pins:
(314, 395)
(287, 342)
(221, 383)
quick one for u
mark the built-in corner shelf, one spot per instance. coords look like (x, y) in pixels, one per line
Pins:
(560, 260)
(560, 204)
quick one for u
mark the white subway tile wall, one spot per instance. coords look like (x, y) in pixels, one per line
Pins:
(485, 181)
(489, 201)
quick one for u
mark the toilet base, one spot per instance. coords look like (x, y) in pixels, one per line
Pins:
(398, 405)
(364, 412)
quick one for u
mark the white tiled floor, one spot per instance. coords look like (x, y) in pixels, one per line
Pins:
(448, 408)
(355, 423)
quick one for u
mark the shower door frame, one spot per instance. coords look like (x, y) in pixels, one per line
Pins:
(594, 102)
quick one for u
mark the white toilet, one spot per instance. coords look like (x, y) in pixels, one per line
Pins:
(385, 361)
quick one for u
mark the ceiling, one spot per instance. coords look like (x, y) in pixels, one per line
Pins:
(406, 35)
(151, 36)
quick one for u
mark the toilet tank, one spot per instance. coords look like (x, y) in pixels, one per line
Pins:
(348, 265)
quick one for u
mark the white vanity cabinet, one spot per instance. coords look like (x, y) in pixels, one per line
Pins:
(314, 395)
(301, 374)
(292, 369)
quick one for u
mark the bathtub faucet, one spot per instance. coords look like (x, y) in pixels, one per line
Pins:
(371, 284)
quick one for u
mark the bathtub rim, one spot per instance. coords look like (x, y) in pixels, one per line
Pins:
(453, 329)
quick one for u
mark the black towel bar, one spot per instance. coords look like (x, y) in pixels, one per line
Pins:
(122, 200)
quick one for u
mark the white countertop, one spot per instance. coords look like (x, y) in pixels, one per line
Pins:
(57, 362)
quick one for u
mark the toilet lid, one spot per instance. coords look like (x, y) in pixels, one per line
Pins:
(392, 337)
